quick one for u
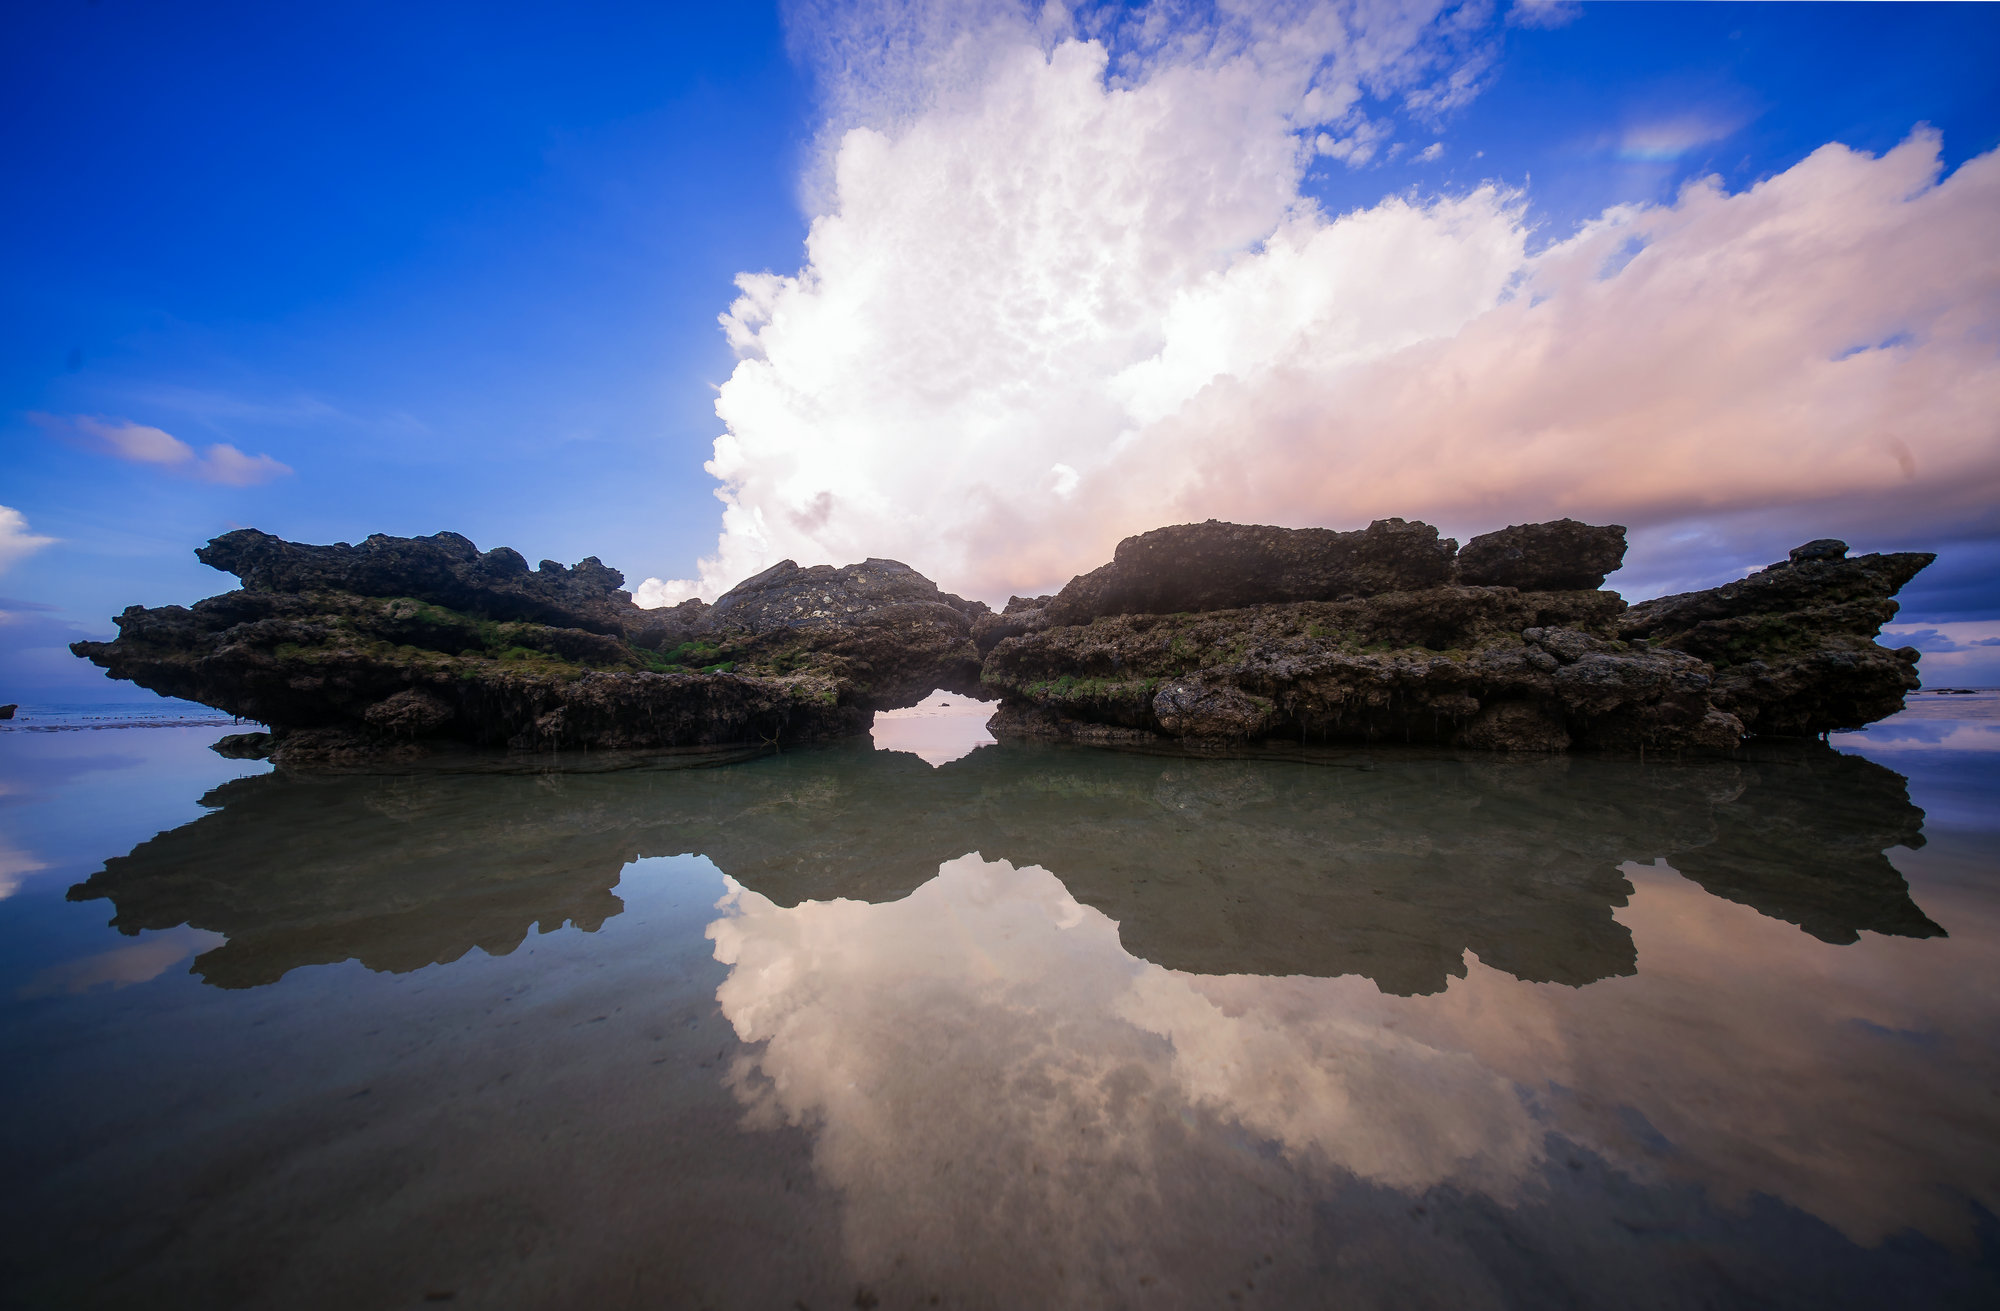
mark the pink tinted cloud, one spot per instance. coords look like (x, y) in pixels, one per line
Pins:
(17, 541)
(143, 444)
(1828, 333)
(1015, 341)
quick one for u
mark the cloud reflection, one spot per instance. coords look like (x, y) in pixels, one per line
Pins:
(987, 1046)
(994, 1078)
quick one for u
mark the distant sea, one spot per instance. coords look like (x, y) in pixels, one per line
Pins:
(64, 716)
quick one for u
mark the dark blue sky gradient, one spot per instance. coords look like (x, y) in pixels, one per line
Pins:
(458, 270)
(1782, 80)
(459, 264)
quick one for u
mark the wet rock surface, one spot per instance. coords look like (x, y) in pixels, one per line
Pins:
(1793, 645)
(1222, 632)
(395, 647)
(1207, 632)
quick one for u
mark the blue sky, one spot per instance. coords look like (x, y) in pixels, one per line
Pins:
(460, 266)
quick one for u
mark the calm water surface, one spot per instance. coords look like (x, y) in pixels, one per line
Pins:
(1027, 1027)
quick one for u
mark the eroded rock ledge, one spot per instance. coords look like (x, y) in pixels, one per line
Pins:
(1206, 632)
(399, 644)
(1224, 632)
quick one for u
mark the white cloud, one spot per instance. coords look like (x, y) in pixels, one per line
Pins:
(16, 542)
(15, 866)
(1544, 13)
(1095, 258)
(1670, 139)
(657, 592)
(223, 463)
(142, 444)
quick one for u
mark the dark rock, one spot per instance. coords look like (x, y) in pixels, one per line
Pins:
(1403, 667)
(1024, 614)
(881, 626)
(244, 746)
(412, 712)
(7, 711)
(1824, 548)
(1196, 707)
(1499, 665)
(1560, 556)
(1515, 726)
(1224, 566)
(400, 645)
(445, 569)
(1793, 645)
(672, 626)
(786, 596)
(1208, 632)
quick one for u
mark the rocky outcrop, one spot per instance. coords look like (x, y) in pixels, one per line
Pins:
(1222, 632)
(1793, 646)
(880, 626)
(401, 644)
(1207, 633)
(1224, 566)
(1560, 556)
(443, 570)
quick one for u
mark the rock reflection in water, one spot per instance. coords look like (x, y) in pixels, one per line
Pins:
(1065, 1027)
(1322, 865)
(1006, 1099)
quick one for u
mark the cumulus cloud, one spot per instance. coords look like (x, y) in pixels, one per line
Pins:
(16, 542)
(143, 444)
(1073, 291)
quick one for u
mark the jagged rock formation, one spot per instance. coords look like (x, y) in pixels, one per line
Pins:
(1201, 632)
(1225, 632)
(353, 652)
(443, 570)
(1793, 645)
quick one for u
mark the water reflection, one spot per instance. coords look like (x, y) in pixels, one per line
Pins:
(1006, 1099)
(1001, 1093)
(1062, 1027)
(1391, 868)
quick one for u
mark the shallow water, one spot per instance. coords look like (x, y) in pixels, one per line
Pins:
(1026, 1026)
